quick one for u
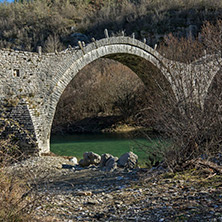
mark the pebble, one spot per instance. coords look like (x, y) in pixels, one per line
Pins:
(109, 196)
(84, 193)
(93, 195)
(92, 202)
(118, 202)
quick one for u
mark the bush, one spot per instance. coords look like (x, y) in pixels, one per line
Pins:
(16, 203)
(193, 130)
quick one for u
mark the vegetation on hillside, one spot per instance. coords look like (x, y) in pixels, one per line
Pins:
(24, 25)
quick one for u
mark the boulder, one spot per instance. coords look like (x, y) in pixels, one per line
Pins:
(104, 159)
(94, 158)
(111, 164)
(128, 160)
(89, 158)
(84, 163)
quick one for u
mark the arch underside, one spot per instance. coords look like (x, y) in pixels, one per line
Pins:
(113, 73)
(144, 69)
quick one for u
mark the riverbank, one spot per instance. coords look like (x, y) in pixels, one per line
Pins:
(135, 195)
(124, 128)
(97, 124)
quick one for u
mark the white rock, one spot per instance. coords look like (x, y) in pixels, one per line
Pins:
(74, 160)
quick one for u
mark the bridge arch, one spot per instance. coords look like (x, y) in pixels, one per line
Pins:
(115, 48)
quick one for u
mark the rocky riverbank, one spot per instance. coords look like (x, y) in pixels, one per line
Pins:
(90, 194)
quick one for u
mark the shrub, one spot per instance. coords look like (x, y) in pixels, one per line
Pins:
(193, 130)
(16, 203)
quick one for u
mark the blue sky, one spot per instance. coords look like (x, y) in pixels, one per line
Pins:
(7, 0)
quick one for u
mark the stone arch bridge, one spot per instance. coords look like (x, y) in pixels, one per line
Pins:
(38, 80)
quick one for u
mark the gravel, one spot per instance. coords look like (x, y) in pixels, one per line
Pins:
(89, 194)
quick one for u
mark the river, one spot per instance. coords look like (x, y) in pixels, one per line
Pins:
(113, 143)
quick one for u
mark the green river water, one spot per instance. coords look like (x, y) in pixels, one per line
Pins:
(113, 143)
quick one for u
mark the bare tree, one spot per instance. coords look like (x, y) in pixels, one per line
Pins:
(193, 131)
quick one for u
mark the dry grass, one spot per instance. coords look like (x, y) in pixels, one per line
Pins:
(15, 201)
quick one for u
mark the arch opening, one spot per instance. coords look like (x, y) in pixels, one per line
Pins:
(150, 80)
(104, 88)
(106, 47)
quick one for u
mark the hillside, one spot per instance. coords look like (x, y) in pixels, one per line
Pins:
(56, 24)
